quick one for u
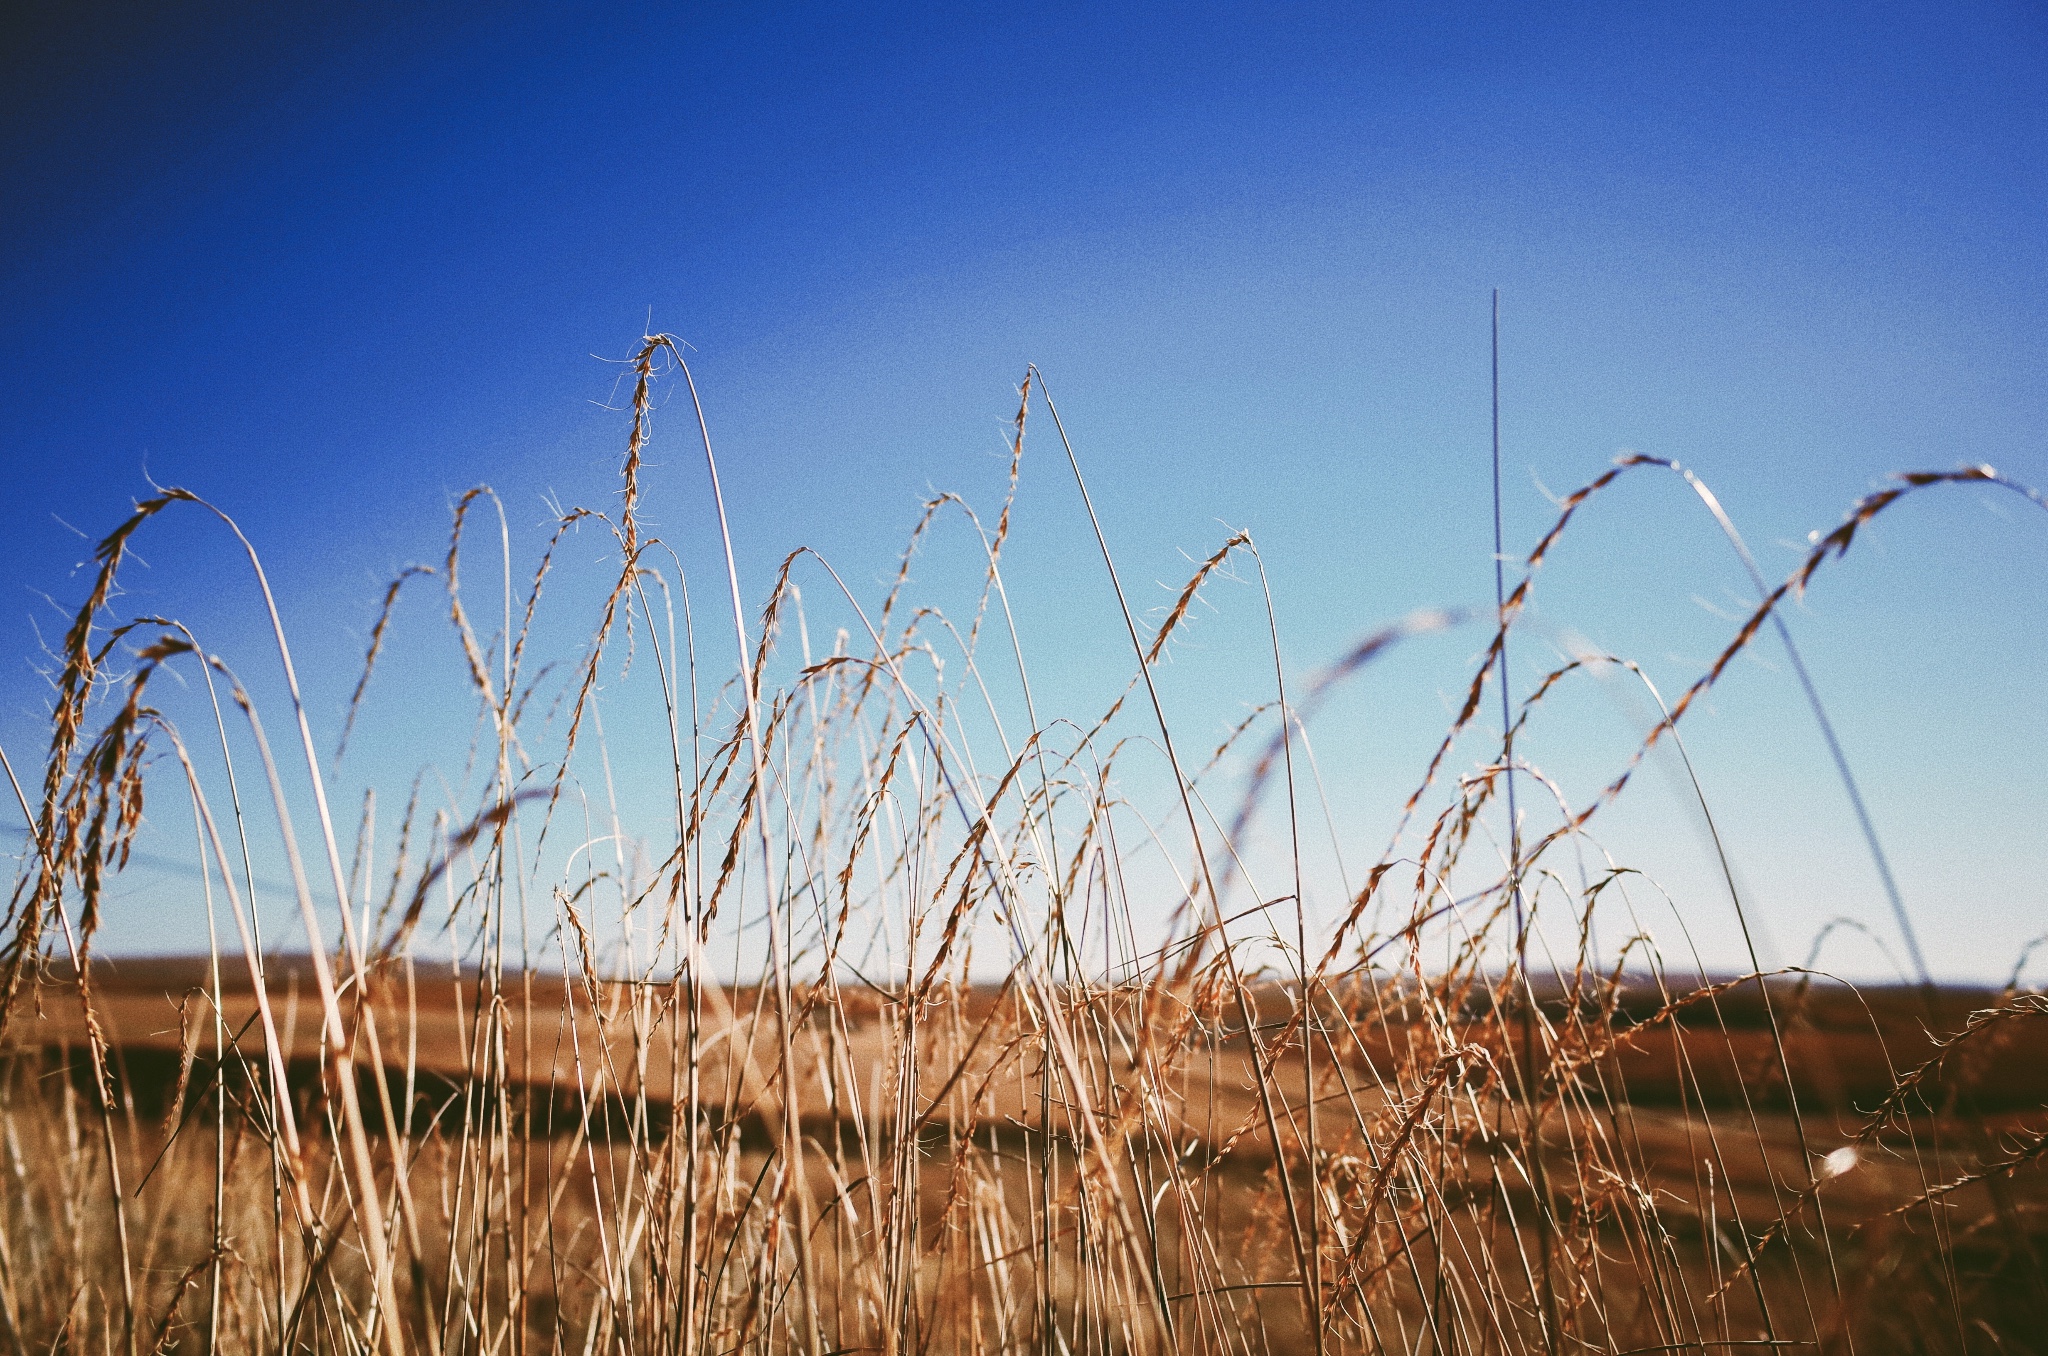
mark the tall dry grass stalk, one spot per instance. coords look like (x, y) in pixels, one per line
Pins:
(798, 1106)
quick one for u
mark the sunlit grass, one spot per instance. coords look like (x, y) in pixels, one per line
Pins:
(883, 1060)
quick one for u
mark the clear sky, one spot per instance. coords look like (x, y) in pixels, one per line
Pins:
(333, 264)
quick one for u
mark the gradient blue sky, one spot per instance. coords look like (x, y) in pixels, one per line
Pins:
(331, 265)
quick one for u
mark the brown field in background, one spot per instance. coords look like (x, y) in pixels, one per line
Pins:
(1690, 1092)
(1845, 1047)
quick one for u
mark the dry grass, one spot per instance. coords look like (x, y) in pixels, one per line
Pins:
(753, 1130)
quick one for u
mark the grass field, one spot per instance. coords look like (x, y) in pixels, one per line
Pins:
(1404, 1134)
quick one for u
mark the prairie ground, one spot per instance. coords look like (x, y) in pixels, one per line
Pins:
(1672, 1153)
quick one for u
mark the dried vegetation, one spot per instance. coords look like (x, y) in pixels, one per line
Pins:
(468, 1124)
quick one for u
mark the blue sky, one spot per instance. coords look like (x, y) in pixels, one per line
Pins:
(332, 265)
